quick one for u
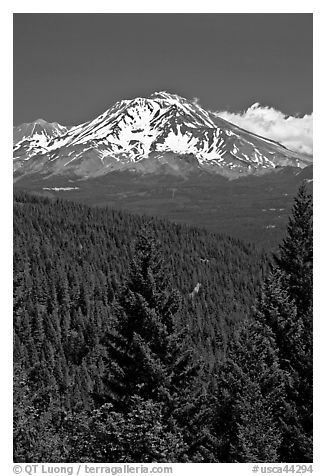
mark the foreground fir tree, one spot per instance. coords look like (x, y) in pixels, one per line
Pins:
(295, 257)
(263, 409)
(248, 396)
(148, 355)
(151, 395)
(286, 308)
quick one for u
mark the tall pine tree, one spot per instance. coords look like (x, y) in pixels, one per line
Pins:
(286, 308)
(149, 363)
(148, 357)
(295, 257)
(263, 408)
(249, 394)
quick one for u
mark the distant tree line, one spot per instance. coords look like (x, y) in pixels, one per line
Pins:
(116, 360)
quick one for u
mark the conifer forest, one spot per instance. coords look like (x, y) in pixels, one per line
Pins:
(140, 340)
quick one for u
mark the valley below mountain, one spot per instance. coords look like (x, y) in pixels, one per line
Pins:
(252, 208)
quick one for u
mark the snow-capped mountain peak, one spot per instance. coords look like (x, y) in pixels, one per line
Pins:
(147, 133)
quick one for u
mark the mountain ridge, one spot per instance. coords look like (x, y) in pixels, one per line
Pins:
(147, 135)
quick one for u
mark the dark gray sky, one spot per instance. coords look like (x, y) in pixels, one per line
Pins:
(71, 67)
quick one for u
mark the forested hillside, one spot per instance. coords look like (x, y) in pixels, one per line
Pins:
(140, 340)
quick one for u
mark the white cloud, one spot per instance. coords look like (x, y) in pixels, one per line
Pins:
(293, 132)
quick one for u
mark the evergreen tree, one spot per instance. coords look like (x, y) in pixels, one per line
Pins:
(295, 255)
(142, 435)
(286, 308)
(249, 394)
(278, 312)
(35, 435)
(147, 355)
